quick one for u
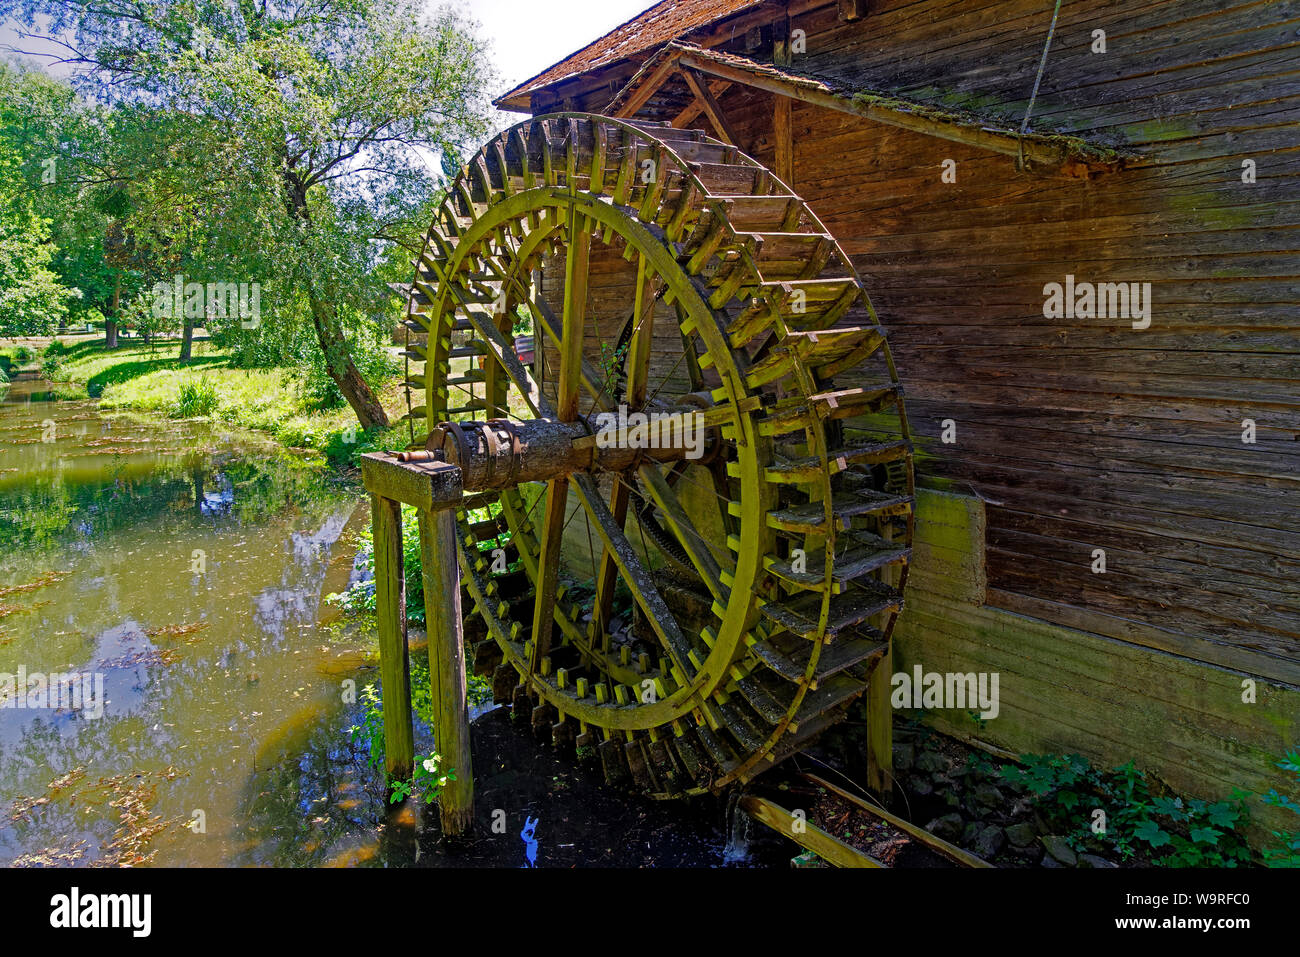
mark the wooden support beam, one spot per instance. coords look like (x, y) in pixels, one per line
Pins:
(647, 89)
(447, 681)
(1036, 150)
(880, 709)
(950, 851)
(880, 726)
(429, 486)
(394, 658)
(710, 107)
(826, 846)
(687, 116)
(783, 135)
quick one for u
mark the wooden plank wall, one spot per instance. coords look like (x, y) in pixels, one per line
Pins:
(1078, 434)
(1082, 434)
(1062, 690)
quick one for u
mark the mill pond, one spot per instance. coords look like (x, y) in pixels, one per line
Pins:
(184, 567)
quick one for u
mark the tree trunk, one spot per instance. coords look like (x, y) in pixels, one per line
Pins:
(341, 368)
(329, 332)
(110, 321)
(187, 340)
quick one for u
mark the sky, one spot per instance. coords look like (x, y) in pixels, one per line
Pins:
(526, 36)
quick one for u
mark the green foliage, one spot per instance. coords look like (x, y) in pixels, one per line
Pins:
(375, 364)
(371, 729)
(427, 778)
(360, 597)
(283, 144)
(15, 357)
(1287, 854)
(52, 366)
(197, 397)
(1167, 830)
(33, 300)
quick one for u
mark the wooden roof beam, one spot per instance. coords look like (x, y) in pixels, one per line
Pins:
(710, 106)
(649, 88)
(1036, 150)
(688, 115)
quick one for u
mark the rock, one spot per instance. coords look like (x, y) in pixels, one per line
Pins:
(989, 842)
(986, 795)
(921, 786)
(951, 799)
(970, 832)
(1056, 847)
(1049, 861)
(948, 827)
(1028, 853)
(1092, 860)
(931, 762)
(904, 755)
(1021, 834)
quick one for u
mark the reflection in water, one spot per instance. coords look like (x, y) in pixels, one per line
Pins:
(186, 564)
(189, 565)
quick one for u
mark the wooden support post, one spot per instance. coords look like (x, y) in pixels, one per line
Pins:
(880, 726)
(394, 659)
(710, 105)
(783, 134)
(447, 680)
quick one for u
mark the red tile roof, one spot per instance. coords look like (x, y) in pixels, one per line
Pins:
(663, 22)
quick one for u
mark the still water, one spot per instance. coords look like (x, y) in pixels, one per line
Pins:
(181, 567)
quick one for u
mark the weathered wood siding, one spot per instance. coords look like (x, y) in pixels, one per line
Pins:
(1082, 434)
(1063, 690)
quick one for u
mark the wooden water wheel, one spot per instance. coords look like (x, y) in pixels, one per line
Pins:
(689, 616)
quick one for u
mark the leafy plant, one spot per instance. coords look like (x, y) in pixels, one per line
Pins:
(52, 365)
(427, 777)
(1167, 830)
(1288, 854)
(197, 397)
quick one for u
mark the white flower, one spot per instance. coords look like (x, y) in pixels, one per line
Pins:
(431, 765)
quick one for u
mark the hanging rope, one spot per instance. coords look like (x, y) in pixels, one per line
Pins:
(1042, 67)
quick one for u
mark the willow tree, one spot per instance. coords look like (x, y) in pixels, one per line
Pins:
(333, 116)
(34, 300)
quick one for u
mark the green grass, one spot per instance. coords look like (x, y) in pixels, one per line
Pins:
(134, 378)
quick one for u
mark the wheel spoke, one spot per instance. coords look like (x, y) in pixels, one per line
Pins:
(503, 352)
(638, 365)
(638, 577)
(548, 561)
(575, 306)
(695, 545)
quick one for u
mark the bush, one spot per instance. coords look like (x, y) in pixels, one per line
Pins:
(52, 365)
(373, 362)
(1288, 853)
(197, 397)
(1166, 830)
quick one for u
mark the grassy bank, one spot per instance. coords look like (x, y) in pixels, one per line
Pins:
(136, 378)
